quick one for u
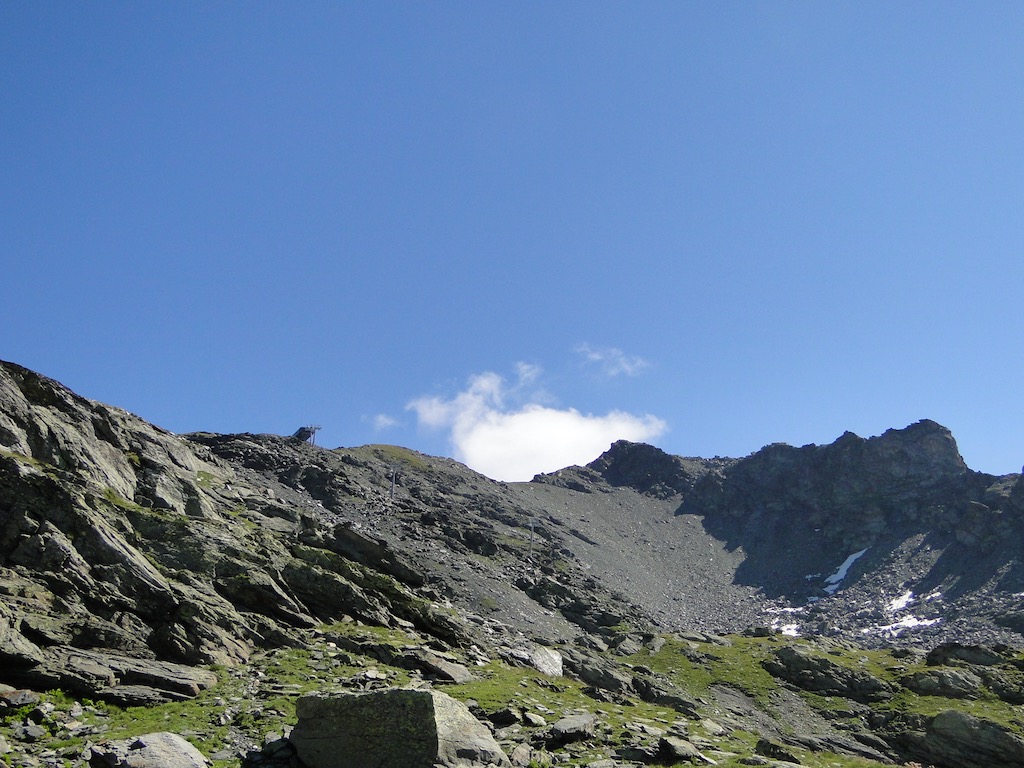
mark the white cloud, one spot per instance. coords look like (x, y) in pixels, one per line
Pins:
(382, 422)
(612, 361)
(515, 442)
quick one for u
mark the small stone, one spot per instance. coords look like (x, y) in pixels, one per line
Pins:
(534, 720)
(711, 728)
(521, 755)
(19, 698)
(506, 716)
(675, 749)
(29, 732)
(572, 729)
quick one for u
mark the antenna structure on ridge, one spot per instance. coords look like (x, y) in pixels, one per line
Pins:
(307, 434)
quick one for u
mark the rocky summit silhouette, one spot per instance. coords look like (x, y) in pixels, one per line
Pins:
(135, 564)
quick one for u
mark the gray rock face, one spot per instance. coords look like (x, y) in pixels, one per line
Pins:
(651, 470)
(202, 548)
(398, 728)
(154, 549)
(152, 750)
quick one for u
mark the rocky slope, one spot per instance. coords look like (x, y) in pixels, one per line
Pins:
(132, 559)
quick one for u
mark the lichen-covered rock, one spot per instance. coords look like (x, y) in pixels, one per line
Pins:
(396, 728)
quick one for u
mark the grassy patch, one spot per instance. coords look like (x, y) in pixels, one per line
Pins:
(986, 707)
(696, 667)
(22, 458)
(150, 520)
(113, 497)
(259, 698)
(394, 454)
(196, 719)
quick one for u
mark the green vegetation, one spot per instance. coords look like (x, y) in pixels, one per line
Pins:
(696, 667)
(392, 454)
(118, 501)
(148, 519)
(23, 459)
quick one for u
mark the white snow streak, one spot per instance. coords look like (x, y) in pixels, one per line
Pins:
(900, 602)
(836, 578)
(907, 622)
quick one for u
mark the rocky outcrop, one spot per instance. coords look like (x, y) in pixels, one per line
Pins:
(951, 683)
(121, 680)
(651, 471)
(812, 672)
(391, 729)
(119, 538)
(954, 739)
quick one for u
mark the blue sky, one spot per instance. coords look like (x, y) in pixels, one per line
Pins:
(514, 232)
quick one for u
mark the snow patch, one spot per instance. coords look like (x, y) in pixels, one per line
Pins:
(900, 602)
(894, 629)
(791, 629)
(835, 580)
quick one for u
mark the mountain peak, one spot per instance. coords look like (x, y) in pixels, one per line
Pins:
(649, 469)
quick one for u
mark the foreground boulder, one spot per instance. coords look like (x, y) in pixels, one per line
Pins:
(152, 750)
(396, 728)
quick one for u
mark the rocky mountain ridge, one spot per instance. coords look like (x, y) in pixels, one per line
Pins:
(131, 558)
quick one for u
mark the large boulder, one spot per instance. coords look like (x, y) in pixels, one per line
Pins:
(395, 728)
